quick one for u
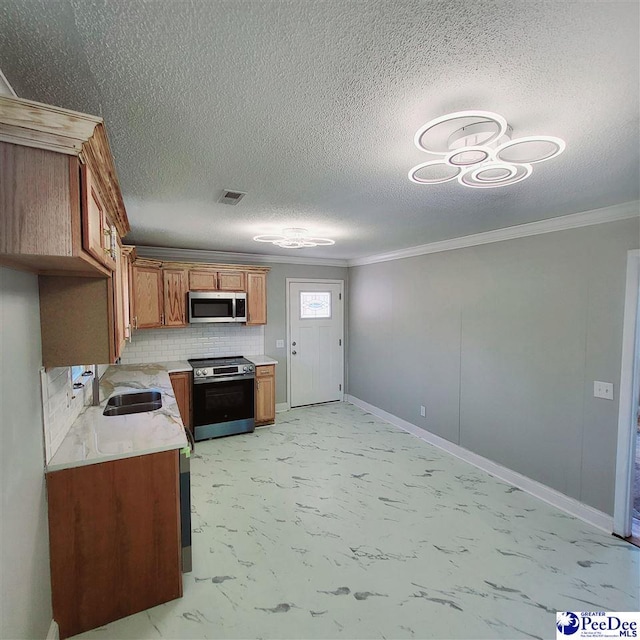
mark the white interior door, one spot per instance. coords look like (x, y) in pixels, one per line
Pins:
(315, 359)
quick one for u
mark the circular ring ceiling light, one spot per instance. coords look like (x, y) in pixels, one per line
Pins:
(495, 174)
(434, 136)
(294, 238)
(434, 172)
(477, 149)
(530, 150)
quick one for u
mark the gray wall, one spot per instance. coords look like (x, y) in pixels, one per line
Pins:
(25, 597)
(502, 343)
(276, 311)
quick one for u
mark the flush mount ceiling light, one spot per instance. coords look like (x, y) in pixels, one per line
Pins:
(476, 147)
(294, 238)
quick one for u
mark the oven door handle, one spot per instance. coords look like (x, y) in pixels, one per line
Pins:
(249, 376)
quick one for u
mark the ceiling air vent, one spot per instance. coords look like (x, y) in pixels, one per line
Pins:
(231, 197)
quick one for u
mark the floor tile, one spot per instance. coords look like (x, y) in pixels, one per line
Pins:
(335, 524)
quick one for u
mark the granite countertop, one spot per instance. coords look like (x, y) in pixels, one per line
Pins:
(175, 366)
(261, 359)
(95, 438)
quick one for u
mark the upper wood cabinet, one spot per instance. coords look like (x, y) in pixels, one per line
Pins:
(147, 300)
(209, 280)
(231, 281)
(175, 297)
(159, 290)
(59, 195)
(61, 216)
(99, 237)
(158, 297)
(256, 298)
(200, 280)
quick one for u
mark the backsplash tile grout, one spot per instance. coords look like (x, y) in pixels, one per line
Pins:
(153, 345)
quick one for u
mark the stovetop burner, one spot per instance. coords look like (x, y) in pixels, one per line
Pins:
(210, 368)
(217, 362)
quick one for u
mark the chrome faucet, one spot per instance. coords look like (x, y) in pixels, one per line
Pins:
(96, 386)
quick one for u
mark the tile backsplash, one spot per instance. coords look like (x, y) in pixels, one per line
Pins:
(61, 405)
(158, 345)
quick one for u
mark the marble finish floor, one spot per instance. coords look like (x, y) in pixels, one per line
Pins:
(335, 524)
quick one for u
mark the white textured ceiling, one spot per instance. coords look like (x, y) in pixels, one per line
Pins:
(311, 107)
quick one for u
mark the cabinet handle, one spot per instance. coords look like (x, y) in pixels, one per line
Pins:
(258, 383)
(135, 322)
(162, 318)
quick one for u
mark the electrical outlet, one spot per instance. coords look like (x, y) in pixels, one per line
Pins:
(279, 344)
(603, 390)
(423, 410)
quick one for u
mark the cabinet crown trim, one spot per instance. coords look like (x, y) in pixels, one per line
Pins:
(42, 126)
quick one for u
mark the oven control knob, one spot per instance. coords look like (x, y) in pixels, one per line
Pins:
(198, 372)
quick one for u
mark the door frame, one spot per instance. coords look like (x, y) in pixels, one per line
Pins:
(288, 327)
(628, 400)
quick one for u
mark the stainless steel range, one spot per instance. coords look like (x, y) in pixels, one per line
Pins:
(223, 396)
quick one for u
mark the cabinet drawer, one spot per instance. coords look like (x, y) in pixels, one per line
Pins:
(265, 370)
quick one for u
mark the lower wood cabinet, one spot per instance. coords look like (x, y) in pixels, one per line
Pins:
(181, 383)
(114, 536)
(265, 394)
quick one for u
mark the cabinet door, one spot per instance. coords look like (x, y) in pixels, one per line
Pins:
(265, 394)
(120, 306)
(175, 297)
(147, 297)
(181, 383)
(257, 298)
(203, 280)
(231, 281)
(98, 235)
(114, 539)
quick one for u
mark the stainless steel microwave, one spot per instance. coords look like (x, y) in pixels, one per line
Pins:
(217, 306)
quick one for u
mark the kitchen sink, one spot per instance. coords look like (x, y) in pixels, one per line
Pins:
(134, 402)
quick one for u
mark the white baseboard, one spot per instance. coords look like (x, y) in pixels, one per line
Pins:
(282, 406)
(54, 631)
(573, 507)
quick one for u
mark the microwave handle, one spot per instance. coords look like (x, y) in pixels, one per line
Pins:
(233, 306)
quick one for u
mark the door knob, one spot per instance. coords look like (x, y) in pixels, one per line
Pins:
(294, 353)
(293, 344)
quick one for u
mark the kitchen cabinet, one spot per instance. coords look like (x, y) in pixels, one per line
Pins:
(231, 281)
(265, 394)
(114, 536)
(175, 297)
(62, 216)
(181, 382)
(159, 290)
(158, 297)
(209, 280)
(203, 280)
(256, 298)
(147, 297)
(99, 236)
(61, 202)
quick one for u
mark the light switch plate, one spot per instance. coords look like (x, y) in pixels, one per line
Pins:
(279, 344)
(603, 390)
(423, 411)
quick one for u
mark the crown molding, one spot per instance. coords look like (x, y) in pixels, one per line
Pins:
(203, 255)
(573, 221)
